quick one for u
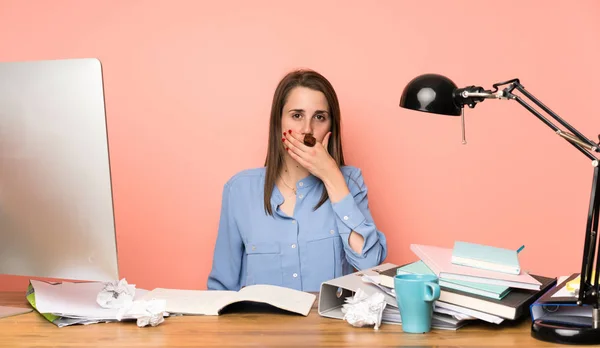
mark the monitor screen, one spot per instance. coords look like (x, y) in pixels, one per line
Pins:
(56, 207)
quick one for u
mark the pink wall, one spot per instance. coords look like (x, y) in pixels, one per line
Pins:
(189, 85)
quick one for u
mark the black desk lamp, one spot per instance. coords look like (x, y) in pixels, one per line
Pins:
(439, 95)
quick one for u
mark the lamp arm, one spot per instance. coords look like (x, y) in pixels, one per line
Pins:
(575, 135)
(589, 289)
(571, 129)
(580, 144)
(472, 95)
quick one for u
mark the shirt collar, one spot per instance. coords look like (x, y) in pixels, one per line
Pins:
(277, 197)
(308, 181)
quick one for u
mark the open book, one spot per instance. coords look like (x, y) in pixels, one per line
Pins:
(212, 302)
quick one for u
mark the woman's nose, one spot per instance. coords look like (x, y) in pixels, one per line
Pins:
(307, 128)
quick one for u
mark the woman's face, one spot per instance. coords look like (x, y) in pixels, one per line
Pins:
(306, 111)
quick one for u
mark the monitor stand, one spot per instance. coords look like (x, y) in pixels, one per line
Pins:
(12, 311)
(13, 303)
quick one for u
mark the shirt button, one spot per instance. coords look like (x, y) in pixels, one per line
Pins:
(331, 232)
(345, 217)
(293, 221)
(295, 275)
(301, 196)
(300, 184)
(293, 246)
(253, 247)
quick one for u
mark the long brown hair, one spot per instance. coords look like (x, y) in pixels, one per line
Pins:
(275, 151)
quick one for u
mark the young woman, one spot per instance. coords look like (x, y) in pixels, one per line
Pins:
(304, 217)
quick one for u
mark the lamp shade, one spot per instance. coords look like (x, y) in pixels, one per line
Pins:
(431, 93)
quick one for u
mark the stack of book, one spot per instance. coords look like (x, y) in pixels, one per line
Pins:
(477, 281)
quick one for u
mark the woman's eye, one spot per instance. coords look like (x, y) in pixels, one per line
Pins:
(296, 115)
(320, 117)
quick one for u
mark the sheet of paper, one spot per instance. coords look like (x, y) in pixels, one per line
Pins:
(454, 314)
(563, 292)
(468, 311)
(376, 281)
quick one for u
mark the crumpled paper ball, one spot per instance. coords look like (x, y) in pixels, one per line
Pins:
(116, 294)
(149, 312)
(364, 310)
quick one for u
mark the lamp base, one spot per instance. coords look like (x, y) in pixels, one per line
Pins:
(565, 333)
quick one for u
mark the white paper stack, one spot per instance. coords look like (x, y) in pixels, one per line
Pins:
(75, 303)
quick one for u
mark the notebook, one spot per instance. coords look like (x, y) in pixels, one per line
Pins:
(486, 257)
(439, 260)
(419, 267)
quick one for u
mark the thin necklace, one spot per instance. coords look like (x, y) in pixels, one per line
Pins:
(285, 183)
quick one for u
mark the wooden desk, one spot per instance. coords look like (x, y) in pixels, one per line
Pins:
(257, 328)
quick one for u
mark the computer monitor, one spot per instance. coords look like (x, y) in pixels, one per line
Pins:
(56, 204)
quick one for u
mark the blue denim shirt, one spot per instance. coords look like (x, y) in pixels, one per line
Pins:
(298, 252)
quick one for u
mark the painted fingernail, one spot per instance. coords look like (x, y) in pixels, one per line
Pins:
(290, 131)
(282, 139)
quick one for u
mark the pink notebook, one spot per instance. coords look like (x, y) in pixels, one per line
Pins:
(439, 260)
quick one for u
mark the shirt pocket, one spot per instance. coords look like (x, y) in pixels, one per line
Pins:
(325, 254)
(263, 263)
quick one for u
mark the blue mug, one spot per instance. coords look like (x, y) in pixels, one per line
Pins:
(415, 294)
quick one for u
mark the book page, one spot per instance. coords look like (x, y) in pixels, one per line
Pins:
(194, 302)
(284, 298)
